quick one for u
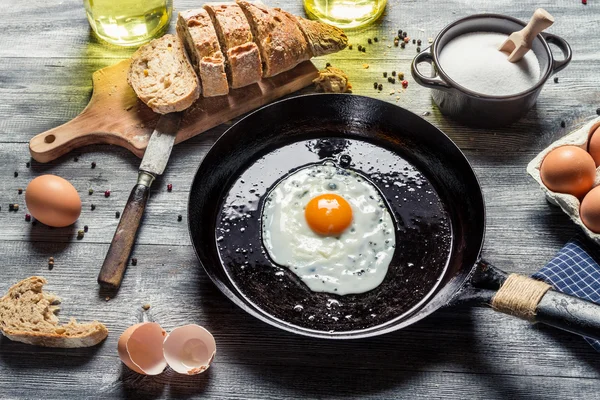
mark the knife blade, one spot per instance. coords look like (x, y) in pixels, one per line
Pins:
(153, 164)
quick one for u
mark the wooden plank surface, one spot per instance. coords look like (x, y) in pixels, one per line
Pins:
(46, 62)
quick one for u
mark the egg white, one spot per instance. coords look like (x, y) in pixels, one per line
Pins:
(357, 260)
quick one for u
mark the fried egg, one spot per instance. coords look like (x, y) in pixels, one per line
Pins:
(331, 227)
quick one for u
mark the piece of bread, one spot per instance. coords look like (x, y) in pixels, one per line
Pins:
(27, 314)
(233, 30)
(322, 38)
(162, 77)
(281, 43)
(197, 32)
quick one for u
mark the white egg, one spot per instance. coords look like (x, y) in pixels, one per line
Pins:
(356, 260)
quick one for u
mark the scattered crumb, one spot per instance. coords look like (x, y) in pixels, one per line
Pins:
(146, 307)
(106, 298)
(430, 40)
(128, 108)
(392, 92)
(366, 66)
(332, 80)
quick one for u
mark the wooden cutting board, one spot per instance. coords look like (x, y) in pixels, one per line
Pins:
(114, 114)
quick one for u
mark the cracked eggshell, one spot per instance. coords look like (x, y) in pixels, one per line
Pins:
(140, 348)
(189, 349)
(568, 203)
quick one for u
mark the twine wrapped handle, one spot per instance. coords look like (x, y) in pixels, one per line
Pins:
(519, 296)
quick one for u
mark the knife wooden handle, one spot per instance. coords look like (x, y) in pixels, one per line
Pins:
(117, 257)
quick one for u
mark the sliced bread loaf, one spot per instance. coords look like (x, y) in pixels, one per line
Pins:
(27, 314)
(281, 43)
(197, 32)
(162, 77)
(243, 59)
(322, 38)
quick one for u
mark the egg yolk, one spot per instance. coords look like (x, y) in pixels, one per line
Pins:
(328, 214)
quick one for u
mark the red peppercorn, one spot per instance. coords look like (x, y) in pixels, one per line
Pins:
(107, 193)
(405, 84)
(584, 2)
(27, 217)
(169, 187)
(406, 39)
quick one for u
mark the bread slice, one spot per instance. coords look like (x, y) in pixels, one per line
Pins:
(281, 43)
(322, 38)
(233, 30)
(197, 32)
(162, 77)
(27, 314)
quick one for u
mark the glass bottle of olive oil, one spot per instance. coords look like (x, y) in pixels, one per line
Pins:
(128, 22)
(345, 13)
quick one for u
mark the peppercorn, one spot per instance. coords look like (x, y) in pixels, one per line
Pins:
(80, 234)
(406, 39)
(51, 259)
(146, 307)
(401, 76)
(393, 73)
(399, 32)
(134, 261)
(20, 191)
(404, 34)
(369, 41)
(403, 45)
(380, 87)
(93, 164)
(375, 85)
(364, 50)
(597, 111)
(396, 42)
(15, 207)
(404, 84)
(51, 263)
(376, 39)
(93, 207)
(16, 174)
(28, 164)
(179, 218)
(107, 193)
(27, 217)
(117, 214)
(584, 2)
(359, 47)
(419, 42)
(169, 187)
(563, 124)
(85, 228)
(556, 79)
(385, 74)
(418, 49)
(414, 41)
(91, 191)
(11, 207)
(327, 65)
(394, 80)
(76, 159)
(349, 47)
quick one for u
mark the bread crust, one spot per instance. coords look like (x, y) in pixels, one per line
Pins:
(322, 38)
(235, 36)
(198, 34)
(28, 294)
(281, 43)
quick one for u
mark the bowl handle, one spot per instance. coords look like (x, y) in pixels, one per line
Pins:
(563, 46)
(435, 82)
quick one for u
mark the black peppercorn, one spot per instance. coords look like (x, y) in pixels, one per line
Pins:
(418, 49)
(91, 191)
(16, 174)
(349, 47)
(85, 228)
(179, 218)
(93, 164)
(390, 79)
(419, 42)
(393, 80)
(393, 73)
(327, 65)
(80, 234)
(598, 111)
(404, 34)
(376, 39)
(556, 79)
(563, 124)
(369, 41)
(364, 50)
(28, 164)
(93, 207)
(385, 74)
(399, 32)
(359, 47)
(117, 214)
(20, 191)
(402, 44)
(76, 159)
(375, 85)
(414, 41)
(380, 87)
(134, 261)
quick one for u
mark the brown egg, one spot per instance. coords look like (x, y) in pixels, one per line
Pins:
(140, 348)
(594, 146)
(53, 201)
(568, 169)
(590, 210)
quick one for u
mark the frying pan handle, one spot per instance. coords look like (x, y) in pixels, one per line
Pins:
(564, 47)
(569, 313)
(431, 82)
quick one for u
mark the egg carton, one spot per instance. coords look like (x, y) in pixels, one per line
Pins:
(567, 202)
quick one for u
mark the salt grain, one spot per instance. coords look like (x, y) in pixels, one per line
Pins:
(473, 61)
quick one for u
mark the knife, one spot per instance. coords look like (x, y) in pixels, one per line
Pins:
(153, 164)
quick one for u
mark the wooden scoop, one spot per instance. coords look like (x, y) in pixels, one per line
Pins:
(519, 43)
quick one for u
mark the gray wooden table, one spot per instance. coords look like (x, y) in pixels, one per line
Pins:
(47, 56)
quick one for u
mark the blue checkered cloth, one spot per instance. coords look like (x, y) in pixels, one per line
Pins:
(574, 271)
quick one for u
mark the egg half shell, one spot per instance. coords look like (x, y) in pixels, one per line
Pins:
(140, 348)
(568, 169)
(53, 201)
(594, 146)
(189, 349)
(590, 210)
